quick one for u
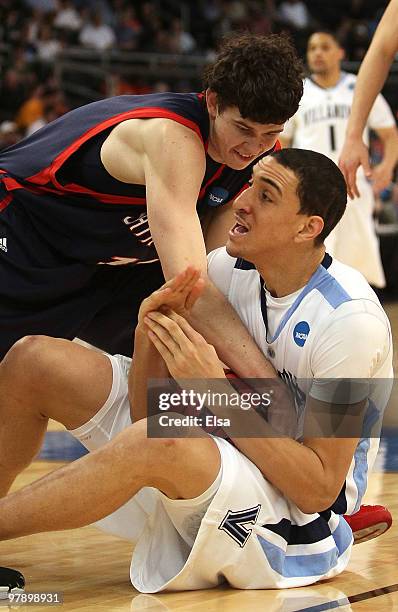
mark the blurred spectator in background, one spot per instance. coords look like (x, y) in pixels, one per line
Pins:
(9, 134)
(35, 32)
(45, 101)
(13, 91)
(67, 17)
(96, 34)
(48, 45)
(128, 30)
(181, 41)
(44, 6)
(295, 14)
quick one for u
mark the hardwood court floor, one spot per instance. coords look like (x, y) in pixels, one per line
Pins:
(91, 569)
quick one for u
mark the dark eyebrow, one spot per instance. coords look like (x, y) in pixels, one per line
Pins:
(271, 183)
(249, 127)
(243, 124)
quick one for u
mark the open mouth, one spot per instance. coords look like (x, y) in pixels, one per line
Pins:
(239, 229)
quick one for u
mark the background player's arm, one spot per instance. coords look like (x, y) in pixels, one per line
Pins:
(371, 77)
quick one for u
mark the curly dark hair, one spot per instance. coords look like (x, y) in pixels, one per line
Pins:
(261, 75)
(321, 186)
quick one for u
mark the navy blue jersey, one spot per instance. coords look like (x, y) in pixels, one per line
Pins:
(63, 216)
(57, 179)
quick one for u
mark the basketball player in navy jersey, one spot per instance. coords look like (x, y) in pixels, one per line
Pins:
(268, 515)
(90, 203)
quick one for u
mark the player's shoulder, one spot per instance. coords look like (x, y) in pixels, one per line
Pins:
(220, 263)
(309, 85)
(220, 257)
(347, 81)
(352, 294)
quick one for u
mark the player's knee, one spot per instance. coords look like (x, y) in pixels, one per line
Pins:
(27, 358)
(158, 447)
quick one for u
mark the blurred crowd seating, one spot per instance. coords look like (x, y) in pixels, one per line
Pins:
(34, 33)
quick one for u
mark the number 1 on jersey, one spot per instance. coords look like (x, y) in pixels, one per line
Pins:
(332, 138)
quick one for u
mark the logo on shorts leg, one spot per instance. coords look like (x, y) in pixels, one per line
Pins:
(3, 244)
(233, 524)
(300, 333)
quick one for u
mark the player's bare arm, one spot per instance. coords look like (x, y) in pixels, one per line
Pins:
(310, 474)
(169, 159)
(371, 77)
(180, 293)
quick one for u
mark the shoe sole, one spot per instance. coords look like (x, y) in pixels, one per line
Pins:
(368, 533)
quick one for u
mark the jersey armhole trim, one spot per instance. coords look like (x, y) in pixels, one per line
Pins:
(48, 174)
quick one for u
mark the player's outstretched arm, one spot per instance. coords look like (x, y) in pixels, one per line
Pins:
(371, 77)
(173, 181)
(179, 293)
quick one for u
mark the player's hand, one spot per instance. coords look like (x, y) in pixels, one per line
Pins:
(179, 294)
(353, 155)
(185, 351)
(381, 177)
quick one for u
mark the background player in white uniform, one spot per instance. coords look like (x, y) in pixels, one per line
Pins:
(320, 125)
(266, 512)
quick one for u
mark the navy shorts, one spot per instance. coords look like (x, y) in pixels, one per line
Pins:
(45, 290)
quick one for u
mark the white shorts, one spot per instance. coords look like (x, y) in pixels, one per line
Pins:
(250, 535)
(354, 241)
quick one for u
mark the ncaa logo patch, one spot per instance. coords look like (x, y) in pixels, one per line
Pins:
(300, 333)
(217, 196)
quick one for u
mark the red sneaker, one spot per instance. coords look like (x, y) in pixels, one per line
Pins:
(369, 522)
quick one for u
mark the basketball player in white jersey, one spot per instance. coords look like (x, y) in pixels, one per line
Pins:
(320, 125)
(263, 512)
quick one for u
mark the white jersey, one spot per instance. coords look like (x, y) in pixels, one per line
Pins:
(321, 120)
(333, 328)
(320, 125)
(242, 529)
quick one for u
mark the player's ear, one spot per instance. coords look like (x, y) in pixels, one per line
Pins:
(212, 103)
(310, 229)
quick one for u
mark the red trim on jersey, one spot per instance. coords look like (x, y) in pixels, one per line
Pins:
(245, 186)
(211, 180)
(202, 99)
(10, 183)
(104, 197)
(277, 147)
(5, 202)
(48, 174)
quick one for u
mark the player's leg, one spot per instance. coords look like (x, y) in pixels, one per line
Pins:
(42, 378)
(99, 483)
